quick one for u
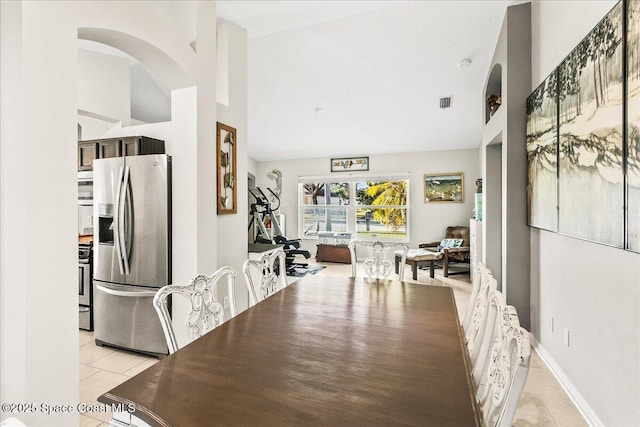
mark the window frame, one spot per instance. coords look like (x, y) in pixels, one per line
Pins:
(352, 206)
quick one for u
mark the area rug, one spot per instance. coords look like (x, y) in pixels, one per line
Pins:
(303, 271)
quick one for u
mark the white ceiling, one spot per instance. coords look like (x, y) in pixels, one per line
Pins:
(376, 68)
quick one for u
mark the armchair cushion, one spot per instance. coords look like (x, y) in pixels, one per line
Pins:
(450, 243)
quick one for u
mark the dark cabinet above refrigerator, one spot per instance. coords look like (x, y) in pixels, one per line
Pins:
(90, 150)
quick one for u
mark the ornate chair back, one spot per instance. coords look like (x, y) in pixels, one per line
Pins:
(480, 278)
(477, 331)
(504, 373)
(205, 310)
(481, 281)
(380, 258)
(272, 273)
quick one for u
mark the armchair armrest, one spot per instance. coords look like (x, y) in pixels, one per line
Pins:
(429, 245)
(461, 249)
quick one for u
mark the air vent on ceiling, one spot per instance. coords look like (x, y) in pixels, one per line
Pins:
(445, 102)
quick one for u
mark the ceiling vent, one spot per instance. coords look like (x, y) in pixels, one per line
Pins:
(445, 102)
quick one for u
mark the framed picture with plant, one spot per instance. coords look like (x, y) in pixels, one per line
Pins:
(226, 169)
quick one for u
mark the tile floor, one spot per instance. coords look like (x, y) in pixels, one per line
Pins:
(543, 402)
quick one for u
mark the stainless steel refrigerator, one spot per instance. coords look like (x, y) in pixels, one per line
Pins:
(132, 249)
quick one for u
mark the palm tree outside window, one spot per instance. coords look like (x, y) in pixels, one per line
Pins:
(371, 206)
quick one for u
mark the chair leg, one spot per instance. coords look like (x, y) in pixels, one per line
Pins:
(397, 263)
(445, 266)
(432, 267)
(414, 270)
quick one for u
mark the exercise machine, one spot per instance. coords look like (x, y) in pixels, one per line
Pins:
(262, 214)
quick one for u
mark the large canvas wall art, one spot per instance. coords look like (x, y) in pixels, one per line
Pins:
(633, 125)
(591, 176)
(542, 155)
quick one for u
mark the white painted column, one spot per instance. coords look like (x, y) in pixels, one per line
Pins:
(39, 212)
(232, 229)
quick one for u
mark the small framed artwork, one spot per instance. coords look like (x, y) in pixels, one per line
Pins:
(444, 187)
(350, 164)
(226, 169)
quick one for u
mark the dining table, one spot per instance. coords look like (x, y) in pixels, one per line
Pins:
(323, 351)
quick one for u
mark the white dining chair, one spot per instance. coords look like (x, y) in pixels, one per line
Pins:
(477, 329)
(270, 269)
(480, 277)
(380, 259)
(504, 373)
(206, 312)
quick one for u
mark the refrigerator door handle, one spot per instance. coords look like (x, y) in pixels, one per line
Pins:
(126, 230)
(116, 221)
(133, 294)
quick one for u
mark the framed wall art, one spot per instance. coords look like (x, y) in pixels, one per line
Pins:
(633, 125)
(444, 187)
(542, 155)
(350, 164)
(226, 169)
(591, 176)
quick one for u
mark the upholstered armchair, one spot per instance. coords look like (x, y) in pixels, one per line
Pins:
(452, 251)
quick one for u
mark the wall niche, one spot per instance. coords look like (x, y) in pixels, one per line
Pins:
(494, 88)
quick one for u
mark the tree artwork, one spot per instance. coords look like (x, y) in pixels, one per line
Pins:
(542, 155)
(591, 176)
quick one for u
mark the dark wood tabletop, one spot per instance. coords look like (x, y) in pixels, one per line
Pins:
(323, 351)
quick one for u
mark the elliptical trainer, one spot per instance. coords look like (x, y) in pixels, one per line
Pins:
(262, 212)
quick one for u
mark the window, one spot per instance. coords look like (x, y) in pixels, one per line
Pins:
(382, 209)
(324, 207)
(373, 207)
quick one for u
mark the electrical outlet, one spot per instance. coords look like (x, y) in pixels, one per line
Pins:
(226, 302)
(553, 328)
(566, 337)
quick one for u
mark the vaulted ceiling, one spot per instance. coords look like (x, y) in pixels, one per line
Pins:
(340, 78)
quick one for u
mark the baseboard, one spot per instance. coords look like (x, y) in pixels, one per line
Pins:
(583, 407)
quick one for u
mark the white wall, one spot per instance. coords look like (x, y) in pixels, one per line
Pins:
(427, 222)
(104, 85)
(92, 128)
(232, 228)
(592, 290)
(252, 166)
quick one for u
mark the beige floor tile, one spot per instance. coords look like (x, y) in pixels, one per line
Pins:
(533, 412)
(141, 367)
(119, 361)
(100, 382)
(86, 421)
(94, 386)
(90, 353)
(85, 338)
(542, 383)
(101, 417)
(86, 371)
